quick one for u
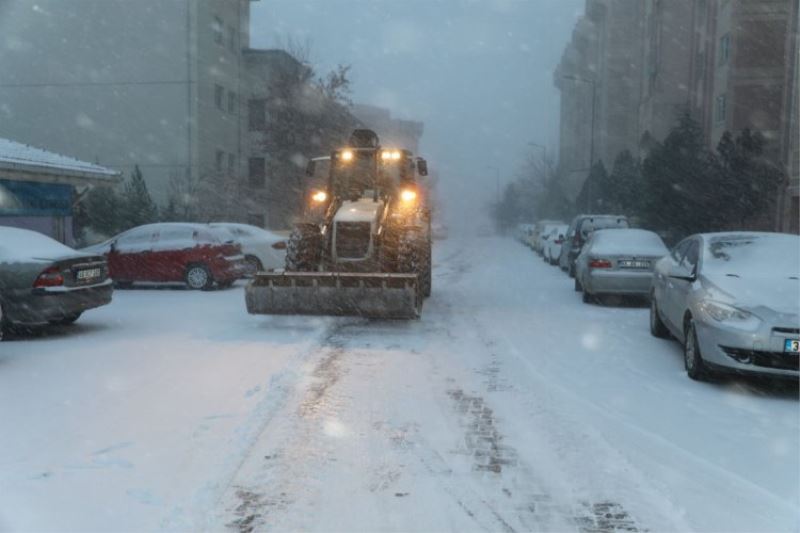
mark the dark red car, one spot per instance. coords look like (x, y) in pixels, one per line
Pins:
(195, 254)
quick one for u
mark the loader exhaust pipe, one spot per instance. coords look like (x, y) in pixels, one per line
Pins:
(370, 295)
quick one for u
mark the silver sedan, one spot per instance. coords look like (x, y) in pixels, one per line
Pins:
(732, 300)
(619, 262)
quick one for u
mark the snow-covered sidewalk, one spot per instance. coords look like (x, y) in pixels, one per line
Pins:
(510, 406)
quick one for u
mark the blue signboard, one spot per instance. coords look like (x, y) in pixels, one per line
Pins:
(28, 198)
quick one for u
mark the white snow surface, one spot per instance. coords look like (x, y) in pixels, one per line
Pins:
(22, 154)
(624, 241)
(23, 245)
(509, 406)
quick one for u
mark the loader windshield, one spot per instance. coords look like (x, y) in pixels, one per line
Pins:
(351, 177)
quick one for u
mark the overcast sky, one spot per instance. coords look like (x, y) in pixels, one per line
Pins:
(478, 73)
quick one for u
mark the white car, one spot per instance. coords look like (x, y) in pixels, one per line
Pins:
(263, 250)
(551, 249)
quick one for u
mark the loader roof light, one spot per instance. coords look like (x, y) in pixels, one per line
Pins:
(408, 196)
(319, 196)
(388, 155)
(347, 155)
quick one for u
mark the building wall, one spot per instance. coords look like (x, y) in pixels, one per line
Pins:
(667, 52)
(125, 83)
(101, 80)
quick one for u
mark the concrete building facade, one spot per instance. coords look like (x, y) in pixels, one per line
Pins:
(732, 64)
(149, 83)
(598, 78)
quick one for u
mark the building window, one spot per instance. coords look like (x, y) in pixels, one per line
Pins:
(232, 38)
(257, 111)
(217, 29)
(231, 165)
(231, 102)
(219, 96)
(220, 160)
(255, 219)
(721, 108)
(724, 48)
(257, 173)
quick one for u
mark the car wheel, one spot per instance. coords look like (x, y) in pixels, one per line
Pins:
(692, 359)
(587, 298)
(253, 264)
(572, 270)
(657, 327)
(198, 277)
(578, 287)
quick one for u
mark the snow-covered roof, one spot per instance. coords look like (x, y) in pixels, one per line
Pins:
(18, 156)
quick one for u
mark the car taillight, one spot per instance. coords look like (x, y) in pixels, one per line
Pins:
(599, 263)
(49, 278)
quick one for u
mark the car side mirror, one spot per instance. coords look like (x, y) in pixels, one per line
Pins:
(422, 167)
(280, 245)
(682, 273)
(311, 168)
(112, 247)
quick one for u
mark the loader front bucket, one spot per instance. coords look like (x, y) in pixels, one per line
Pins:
(334, 293)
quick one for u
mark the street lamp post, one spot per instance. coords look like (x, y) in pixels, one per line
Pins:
(593, 83)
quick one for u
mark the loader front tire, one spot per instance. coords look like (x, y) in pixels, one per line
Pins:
(304, 248)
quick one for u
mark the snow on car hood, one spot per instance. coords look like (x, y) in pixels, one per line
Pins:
(18, 245)
(361, 210)
(754, 292)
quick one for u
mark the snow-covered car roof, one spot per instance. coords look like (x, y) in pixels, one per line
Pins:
(616, 241)
(23, 245)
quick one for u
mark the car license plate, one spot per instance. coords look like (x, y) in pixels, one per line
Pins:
(791, 346)
(634, 264)
(89, 273)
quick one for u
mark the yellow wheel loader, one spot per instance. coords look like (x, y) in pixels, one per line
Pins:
(363, 246)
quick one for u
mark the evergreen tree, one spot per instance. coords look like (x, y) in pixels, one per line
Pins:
(624, 185)
(751, 182)
(100, 210)
(593, 196)
(137, 206)
(681, 182)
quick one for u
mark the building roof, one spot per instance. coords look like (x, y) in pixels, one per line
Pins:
(20, 157)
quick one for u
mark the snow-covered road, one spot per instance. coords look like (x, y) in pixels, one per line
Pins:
(510, 406)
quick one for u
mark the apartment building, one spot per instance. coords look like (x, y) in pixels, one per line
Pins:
(598, 78)
(151, 83)
(732, 64)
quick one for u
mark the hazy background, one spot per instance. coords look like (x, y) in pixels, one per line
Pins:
(478, 73)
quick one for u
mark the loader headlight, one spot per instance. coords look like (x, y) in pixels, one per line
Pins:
(347, 155)
(388, 155)
(319, 196)
(408, 196)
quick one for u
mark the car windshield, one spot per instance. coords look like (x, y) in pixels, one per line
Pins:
(753, 255)
(410, 265)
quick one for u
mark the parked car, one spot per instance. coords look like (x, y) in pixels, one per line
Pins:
(262, 249)
(523, 233)
(44, 282)
(732, 300)
(579, 230)
(618, 261)
(539, 230)
(195, 254)
(555, 239)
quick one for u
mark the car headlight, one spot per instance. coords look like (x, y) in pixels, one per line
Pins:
(722, 312)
